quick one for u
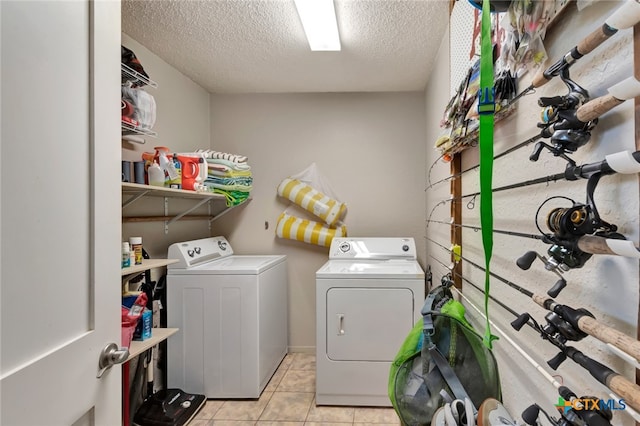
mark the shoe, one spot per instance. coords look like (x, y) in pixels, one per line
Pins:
(493, 413)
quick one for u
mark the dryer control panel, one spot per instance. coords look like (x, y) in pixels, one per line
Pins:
(196, 252)
(374, 248)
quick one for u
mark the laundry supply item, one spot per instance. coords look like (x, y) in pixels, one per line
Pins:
(125, 255)
(175, 179)
(312, 200)
(308, 231)
(156, 175)
(190, 170)
(143, 328)
(136, 247)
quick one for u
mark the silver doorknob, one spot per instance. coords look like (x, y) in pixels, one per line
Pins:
(110, 356)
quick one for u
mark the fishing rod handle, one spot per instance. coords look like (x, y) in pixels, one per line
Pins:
(629, 391)
(606, 334)
(618, 93)
(600, 245)
(596, 107)
(595, 39)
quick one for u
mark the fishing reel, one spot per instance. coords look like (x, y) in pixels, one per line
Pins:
(567, 226)
(557, 330)
(560, 124)
(578, 412)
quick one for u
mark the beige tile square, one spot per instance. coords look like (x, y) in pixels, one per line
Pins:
(303, 361)
(201, 422)
(298, 381)
(260, 423)
(375, 416)
(275, 379)
(330, 414)
(243, 409)
(231, 423)
(288, 406)
(327, 424)
(286, 362)
(210, 408)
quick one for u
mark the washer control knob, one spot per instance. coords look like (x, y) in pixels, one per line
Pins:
(405, 248)
(190, 253)
(222, 245)
(345, 247)
(197, 250)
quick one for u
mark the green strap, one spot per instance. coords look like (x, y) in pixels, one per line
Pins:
(486, 109)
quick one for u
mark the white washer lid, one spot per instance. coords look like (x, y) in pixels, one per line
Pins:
(370, 269)
(233, 265)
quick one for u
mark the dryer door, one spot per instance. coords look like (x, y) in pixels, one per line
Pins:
(367, 324)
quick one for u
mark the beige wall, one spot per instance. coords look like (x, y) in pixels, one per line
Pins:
(182, 125)
(370, 147)
(606, 285)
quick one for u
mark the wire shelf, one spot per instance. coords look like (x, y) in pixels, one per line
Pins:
(137, 78)
(131, 129)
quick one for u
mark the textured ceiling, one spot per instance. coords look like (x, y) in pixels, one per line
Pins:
(259, 46)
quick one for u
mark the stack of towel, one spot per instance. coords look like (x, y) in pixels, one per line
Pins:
(229, 175)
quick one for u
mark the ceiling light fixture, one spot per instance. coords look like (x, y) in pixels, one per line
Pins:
(319, 21)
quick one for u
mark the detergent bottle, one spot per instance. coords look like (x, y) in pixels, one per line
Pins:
(204, 168)
(156, 175)
(170, 172)
(190, 171)
(175, 181)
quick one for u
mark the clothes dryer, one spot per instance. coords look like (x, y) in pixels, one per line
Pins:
(368, 297)
(231, 311)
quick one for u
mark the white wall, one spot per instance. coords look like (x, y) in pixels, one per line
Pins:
(183, 126)
(370, 146)
(606, 285)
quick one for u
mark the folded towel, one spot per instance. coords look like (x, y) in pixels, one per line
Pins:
(233, 197)
(234, 158)
(230, 174)
(230, 164)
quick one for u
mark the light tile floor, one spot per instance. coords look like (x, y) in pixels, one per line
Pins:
(288, 400)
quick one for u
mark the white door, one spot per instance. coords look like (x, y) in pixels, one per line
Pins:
(367, 324)
(60, 211)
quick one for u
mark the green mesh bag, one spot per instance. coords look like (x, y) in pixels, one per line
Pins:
(416, 379)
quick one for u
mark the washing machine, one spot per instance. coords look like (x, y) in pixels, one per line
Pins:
(231, 312)
(368, 297)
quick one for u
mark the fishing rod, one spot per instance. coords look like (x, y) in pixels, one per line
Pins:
(576, 405)
(554, 334)
(569, 128)
(582, 411)
(623, 162)
(564, 322)
(629, 391)
(497, 231)
(502, 154)
(578, 231)
(496, 300)
(471, 204)
(626, 16)
(576, 415)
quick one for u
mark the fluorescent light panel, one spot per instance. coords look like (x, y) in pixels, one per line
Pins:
(319, 21)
